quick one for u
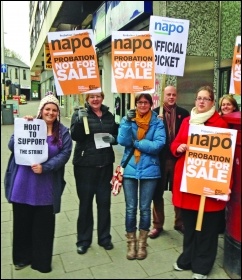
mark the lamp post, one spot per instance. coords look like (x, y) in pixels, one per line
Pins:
(2, 57)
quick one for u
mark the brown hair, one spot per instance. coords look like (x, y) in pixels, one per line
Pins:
(208, 89)
(146, 96)
(231, 99)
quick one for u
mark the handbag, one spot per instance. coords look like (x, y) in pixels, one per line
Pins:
(117, 179)
(8, 176)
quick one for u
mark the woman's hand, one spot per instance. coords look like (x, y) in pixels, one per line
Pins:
(28, 117)
(182, 148)
(36, 168)
(160, 117)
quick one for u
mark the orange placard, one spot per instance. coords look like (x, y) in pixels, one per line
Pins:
(235, 80)
(133, 68)
(209, 161)
(74, 62)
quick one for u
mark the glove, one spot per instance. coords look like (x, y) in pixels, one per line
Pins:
(82, 112)
(131, 114)
(108, 139)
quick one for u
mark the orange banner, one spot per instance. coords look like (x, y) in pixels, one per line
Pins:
(133, 66)
(209, 161)
(235, 80)
(74, 62)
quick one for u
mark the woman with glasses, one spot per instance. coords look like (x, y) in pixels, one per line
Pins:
(144, 133)
(93, 169)
(199, 247)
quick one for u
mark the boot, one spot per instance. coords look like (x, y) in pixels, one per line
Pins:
(131, 254)
(142, 244)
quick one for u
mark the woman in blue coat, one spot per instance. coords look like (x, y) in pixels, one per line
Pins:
(143, 131)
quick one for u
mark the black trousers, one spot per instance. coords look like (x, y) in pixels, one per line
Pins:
(33, 235)
(199, 247)
(90, 182)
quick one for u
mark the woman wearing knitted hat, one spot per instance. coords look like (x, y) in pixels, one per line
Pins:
(35, 193)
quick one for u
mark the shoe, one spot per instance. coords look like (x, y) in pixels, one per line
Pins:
(155, 232)
(199, 276)
(82, 249)
(176, 267)
(180, 228)
(20, 266)
(107, 246)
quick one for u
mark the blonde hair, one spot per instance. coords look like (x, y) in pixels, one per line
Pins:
(231, 100)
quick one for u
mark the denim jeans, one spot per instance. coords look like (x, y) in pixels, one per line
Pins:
(146, 189)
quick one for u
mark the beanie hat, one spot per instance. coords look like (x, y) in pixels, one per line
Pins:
(49, 98)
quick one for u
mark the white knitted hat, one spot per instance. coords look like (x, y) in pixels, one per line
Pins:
(50, 98)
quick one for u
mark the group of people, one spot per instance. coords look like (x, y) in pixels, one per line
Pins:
(158, 139)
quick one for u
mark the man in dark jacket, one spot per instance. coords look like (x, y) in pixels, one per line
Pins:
(172, 116)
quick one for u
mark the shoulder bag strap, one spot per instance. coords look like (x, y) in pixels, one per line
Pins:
(128, 158)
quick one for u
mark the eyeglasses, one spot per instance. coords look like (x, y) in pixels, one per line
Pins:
(143, 102)
(203, 99)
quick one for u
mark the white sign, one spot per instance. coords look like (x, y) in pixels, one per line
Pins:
(170, 37)
(30, 141)
(100, 144)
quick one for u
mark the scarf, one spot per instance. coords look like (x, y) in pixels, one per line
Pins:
(143, 123)
(170, 115)
(200, 118)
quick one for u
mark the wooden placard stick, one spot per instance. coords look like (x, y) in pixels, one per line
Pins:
(82, 103)
(200, 213)
(163, 81)
(132, 101)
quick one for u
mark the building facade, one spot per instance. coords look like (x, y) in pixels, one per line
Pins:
(17, 78)
(213, 28)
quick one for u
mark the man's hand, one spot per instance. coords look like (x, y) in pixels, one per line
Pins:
(131, 114)
(108, 139)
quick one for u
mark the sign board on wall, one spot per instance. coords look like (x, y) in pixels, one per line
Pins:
(113, 15)
(48, 64)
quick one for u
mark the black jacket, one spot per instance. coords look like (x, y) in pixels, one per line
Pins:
(85, 153)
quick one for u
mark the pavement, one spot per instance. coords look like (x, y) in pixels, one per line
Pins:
(97, 263)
